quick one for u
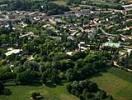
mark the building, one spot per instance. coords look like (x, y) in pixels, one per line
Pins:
(127, 8)
(12, 51)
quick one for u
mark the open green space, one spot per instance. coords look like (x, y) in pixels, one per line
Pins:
(24, 93)
(116, 82)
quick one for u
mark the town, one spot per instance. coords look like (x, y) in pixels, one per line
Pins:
(67, 46)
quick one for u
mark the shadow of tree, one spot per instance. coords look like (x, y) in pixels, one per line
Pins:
(6, 92)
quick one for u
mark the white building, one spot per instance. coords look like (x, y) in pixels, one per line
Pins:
(12, 51)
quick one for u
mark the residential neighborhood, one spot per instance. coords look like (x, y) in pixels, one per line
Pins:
(71, 50)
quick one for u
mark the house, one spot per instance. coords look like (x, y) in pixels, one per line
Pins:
(111, 44)
(11, 51)
(25, 35)
(82, 46)
(69, 53)
(52, 21)
(127, 8)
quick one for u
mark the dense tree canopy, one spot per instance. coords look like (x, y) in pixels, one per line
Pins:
(43, 6)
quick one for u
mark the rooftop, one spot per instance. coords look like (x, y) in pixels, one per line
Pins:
(111, 44)
(13, 51)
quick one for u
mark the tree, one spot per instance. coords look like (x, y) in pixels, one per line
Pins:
(32, 65)
(28, 77)
(50, 75)
(87, 90)
(1, 87)
(78, 55)
(36, 96)
(45, 6)
(70, 2)
(7, 76)
(87, 95)
(55, 78)
(65, 64)
(44, 77)
(71, 75)
(92, 87)
(69, 87)
(101, 94)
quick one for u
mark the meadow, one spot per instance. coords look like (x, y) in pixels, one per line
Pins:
(24, 93)
(116, 82)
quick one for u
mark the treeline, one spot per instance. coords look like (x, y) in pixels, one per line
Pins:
(1, 87)
(44, 6)
(77, 67)
(107, 5)
(70, 2)
(3, 90)
(100, 4)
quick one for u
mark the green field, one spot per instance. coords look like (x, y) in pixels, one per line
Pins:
(115, 83)
(24, 92)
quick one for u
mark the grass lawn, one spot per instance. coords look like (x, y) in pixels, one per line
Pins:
(114, 82)
(24, 92)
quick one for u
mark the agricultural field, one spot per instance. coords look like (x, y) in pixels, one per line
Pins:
(117, 83)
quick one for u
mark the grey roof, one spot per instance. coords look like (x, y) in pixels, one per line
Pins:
(111, 44)
(127, 7)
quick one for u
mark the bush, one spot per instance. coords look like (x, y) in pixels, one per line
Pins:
(28, 77)
(6, 92)
(1, 87)
(36, 96)
(7, 76)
